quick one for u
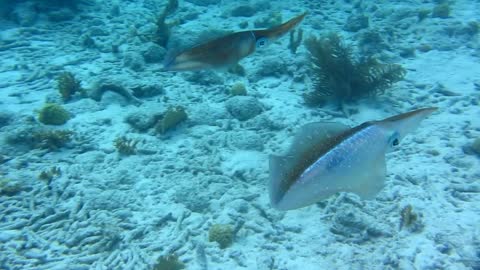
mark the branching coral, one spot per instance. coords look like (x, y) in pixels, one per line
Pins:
(40, 138)
(410, 220)
(49, 175)
(68, 86)
(171, 118)
(51, 140)
(338, 76)
(162, 34)
(295, 41)
(126, 146)
(408, 217)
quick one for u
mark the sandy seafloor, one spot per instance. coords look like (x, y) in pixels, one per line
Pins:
(108, 211)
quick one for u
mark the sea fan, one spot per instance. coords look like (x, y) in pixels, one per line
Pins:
(338, 76)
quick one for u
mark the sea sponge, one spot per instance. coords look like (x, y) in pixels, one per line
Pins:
(171, 118)
(476, 146)
(238, 89)
(5, 118)
(222, 234)
(338, 76)
(168, 262)
(53, 114)
(68, 86)
(423, 14)
(9, 187)
(244, 108)
(441, 11)
(272, 19)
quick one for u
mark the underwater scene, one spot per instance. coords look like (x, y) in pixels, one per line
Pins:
(249, 134)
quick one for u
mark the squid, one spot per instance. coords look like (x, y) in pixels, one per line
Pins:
(227, 50)
(327, 158)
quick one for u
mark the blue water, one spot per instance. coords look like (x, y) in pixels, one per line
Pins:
(111, 160)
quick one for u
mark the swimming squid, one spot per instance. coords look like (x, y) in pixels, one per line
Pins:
(327, 158)
(227, 50)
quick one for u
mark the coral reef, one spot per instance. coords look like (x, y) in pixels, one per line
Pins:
(168, 262)
(171, 118)
(338, 76)
(125, 146)
(68, 86)
(53, 114)
(222, 234)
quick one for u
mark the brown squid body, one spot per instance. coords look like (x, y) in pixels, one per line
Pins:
(227, 50)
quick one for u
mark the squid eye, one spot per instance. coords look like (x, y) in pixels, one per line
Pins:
(261, 42)
(394, 141)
